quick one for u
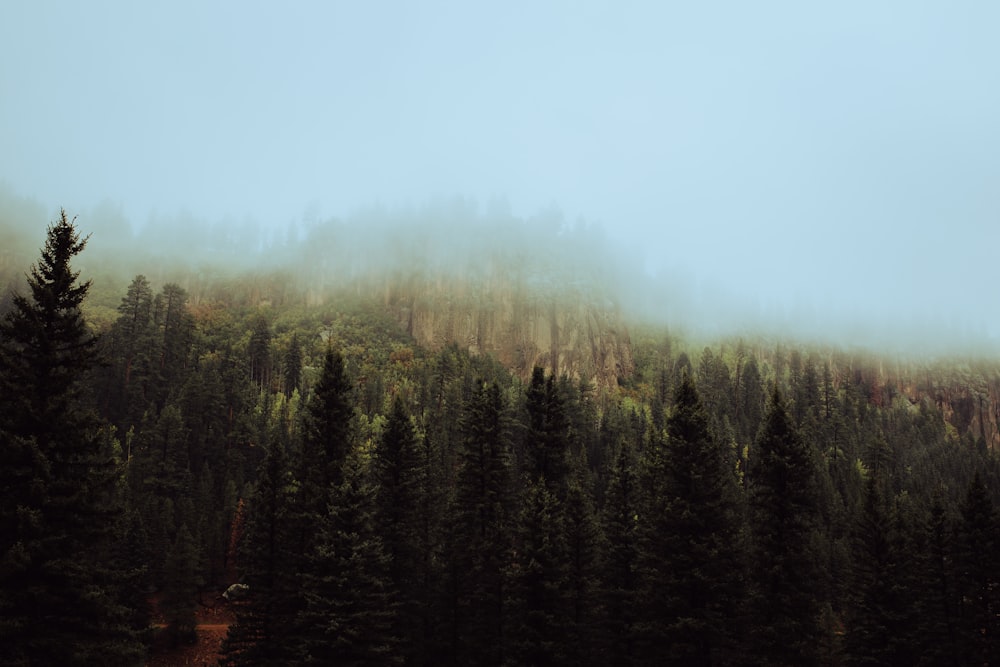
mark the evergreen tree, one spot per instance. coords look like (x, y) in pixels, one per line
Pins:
(619, 580)
(401, 487)
(263, 632)
(547, 438)
(979, 576)
(59, 495)
(938, 605)
(182, 579)
(259, 351)
(132, 339)
(176, 327)
(325, 442)
(584, 542)
(326, 429)
(537, 598)
(689, 537)
(480, 537)
(784, 603)
(292, 365)
(130, 562)
(349, 613)
(881, 628)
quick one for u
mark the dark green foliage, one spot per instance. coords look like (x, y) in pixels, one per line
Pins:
(349, 610)
(181, 580)
(480, 536)
(46, 346)
(428, 507)
(690, 587)
(176, 327)
(938, 606)
(785, 605)
(620, 519)
(584, 543)
(539, 611)
(264, 630)
(881, 629)
(326, 426)
(401, 499)
(259, 351)
(291, 366)
(547, 443)
(979, 576)
(60, 500)
(130, 349)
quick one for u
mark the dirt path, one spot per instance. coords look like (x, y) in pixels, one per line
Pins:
(213, 624)
(205, 651)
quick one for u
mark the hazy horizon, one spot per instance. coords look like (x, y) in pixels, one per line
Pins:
(827, 170)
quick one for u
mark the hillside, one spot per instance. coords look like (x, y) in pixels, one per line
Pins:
(514, 466)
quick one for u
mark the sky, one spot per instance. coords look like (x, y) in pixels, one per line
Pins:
(835, 162)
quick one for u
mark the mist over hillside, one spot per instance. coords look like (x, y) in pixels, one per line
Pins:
(460, 244)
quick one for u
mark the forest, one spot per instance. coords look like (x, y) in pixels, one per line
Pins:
(291, 448)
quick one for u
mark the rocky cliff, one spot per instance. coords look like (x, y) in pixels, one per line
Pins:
(967, 394)
(566, 329)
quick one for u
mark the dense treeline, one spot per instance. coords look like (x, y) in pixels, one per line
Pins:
(388, 504)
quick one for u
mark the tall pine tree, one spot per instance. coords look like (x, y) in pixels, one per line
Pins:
(401, 488)
(59, 494)
(689, 537)
(350, 610)
(784, 600)
(262, 634)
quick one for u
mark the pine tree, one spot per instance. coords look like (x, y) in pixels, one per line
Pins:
(537, 598)
(881, 627)
(263, 632)
(291, 365)
(131, 343)
(176, 327)
(689, 537)
(979, 576)
(584, 543)
(401, 486)
(182, 578)
(784, 604)
(547, 439)
(350, 609)
(480, 537)
(59, 494)
(259, 352)
(325, 442)
(620, 517)
(326, 430)
(938, 606)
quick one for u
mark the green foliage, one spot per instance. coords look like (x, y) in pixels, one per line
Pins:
(426, 506)
(264, 630)
(181, 580)
(538, 601)
(60, 499)
(785, 604)
(688, 534)
(349, 610)
(619, 577)
(400, 476)
(480, 537)
(979, 575)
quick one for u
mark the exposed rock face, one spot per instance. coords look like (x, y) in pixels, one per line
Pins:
(967, 396)
(559, 328)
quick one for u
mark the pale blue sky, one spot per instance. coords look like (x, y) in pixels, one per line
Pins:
(839, 159)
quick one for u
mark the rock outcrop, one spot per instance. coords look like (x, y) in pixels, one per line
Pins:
(565, 329)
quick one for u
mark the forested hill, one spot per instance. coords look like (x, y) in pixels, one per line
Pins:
(393, 474)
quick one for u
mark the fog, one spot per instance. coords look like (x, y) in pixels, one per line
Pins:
(825, 172)
(464, 243)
